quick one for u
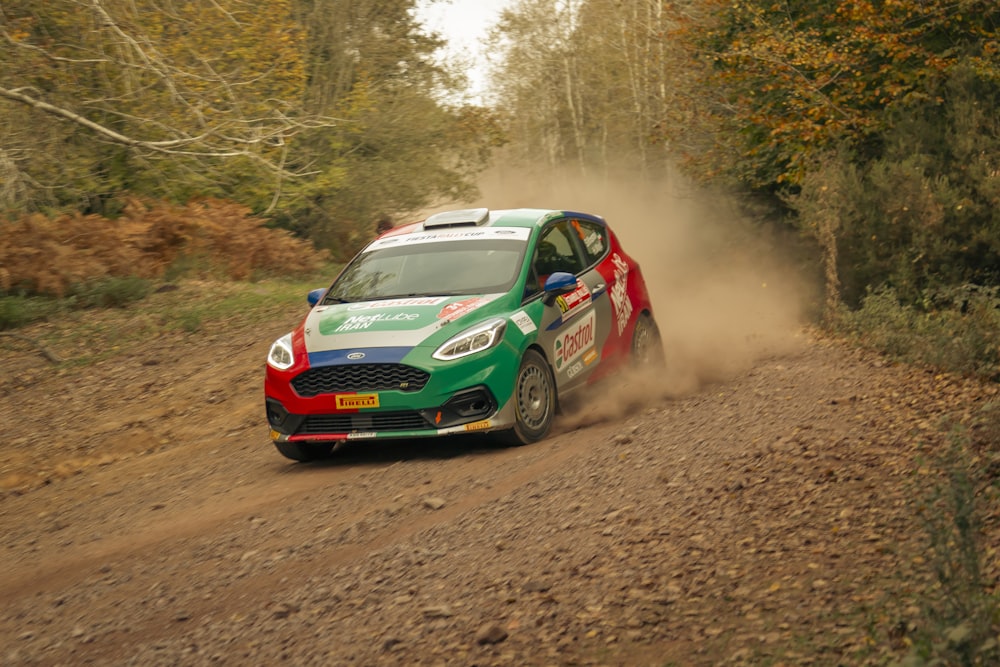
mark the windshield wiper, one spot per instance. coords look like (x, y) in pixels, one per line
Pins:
(327, 300)
(410, 295)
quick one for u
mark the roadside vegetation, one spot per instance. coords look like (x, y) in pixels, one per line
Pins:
(959, 615)
(868, 129)
(51, 266)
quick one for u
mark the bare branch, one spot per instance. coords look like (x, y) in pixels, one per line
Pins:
(41, 105)
(270, 132)
(39, 50)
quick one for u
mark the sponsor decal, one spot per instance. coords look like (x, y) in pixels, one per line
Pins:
(574, 370)
(361, 435)
(594, 243)
(619, 293)
(354, 356)
(523, 322)
(396, 303)
(455, 310)
(356, 401)
(519, 233)
(478, 426)
(359, 322)
(572, 303)
(575, 341)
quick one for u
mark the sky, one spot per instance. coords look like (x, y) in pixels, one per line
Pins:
(464, 24)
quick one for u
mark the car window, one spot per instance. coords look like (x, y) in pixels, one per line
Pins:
(555, 251)
(593, 238)
(430, 269)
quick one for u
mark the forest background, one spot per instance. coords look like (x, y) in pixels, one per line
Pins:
(145, 139)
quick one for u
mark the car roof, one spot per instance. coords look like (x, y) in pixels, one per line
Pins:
(483, 217)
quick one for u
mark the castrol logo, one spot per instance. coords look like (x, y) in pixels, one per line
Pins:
(575, 341)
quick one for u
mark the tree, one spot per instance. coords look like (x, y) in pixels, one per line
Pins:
(874, 121)
(590, 82)
(795, 78)
(168, 98)
(320, 113)
(398, 147)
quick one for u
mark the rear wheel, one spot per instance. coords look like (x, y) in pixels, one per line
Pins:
(305, 451)
(534, 401)
(647, 347)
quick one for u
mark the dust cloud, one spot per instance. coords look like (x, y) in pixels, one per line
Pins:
(724, 294)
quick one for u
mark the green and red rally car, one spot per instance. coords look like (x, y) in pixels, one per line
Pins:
(469, 321)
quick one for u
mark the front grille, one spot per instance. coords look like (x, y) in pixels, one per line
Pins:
(359, 377)
(407, 420)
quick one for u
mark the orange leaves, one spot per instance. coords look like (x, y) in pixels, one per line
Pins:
(800, 76)
(44, 255)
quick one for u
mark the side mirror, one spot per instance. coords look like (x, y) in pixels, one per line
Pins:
(559, 283)
(315, 295)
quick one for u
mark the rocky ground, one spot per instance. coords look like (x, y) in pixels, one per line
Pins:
(769, 518)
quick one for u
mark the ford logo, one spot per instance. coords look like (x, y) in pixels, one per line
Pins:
(354, 356)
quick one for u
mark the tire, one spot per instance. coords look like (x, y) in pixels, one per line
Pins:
(534, 401)
(304, 451)
(647, 346)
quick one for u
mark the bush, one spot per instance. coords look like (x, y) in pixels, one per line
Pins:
(18, 311)
(110, 292)
(962, 613)
(955, 329)
(205, 238)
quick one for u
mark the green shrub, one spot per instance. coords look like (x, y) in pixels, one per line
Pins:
(955, 329)
(110, 292)
(18, 311)
(962, 613)
(190, 321)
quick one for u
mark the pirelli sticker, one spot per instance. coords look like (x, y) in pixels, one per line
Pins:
(478, 426)
(356, 401)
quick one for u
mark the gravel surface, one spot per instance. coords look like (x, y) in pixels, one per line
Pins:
(768, 518)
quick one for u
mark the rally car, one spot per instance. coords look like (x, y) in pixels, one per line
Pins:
(472, 320)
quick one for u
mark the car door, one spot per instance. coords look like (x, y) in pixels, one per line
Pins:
(574, 324)
(607, 275)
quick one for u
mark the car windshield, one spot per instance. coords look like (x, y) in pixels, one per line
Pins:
(483, 266)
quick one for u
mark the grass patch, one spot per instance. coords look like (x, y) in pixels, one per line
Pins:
(20, 311)
(961, 614)
(111, 292)
(955, 330)
(174, 311)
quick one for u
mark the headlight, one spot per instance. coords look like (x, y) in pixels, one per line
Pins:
(281, 356)
(478, 338)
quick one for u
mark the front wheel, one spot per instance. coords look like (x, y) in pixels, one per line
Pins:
(534, 401)
(305, 451)
(647, 346)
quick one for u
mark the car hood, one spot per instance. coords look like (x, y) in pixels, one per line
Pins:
(390, 323)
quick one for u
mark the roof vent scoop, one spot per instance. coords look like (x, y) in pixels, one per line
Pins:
(468, 217)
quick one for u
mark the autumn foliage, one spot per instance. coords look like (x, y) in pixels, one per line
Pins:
(49, 255)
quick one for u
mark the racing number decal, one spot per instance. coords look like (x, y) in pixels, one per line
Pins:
(574, 302)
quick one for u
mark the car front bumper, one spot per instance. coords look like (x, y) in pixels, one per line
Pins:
(461, 396)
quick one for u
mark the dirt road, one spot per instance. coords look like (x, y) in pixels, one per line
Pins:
(765, 518)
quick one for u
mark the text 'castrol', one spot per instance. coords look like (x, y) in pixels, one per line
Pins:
(575, 341)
